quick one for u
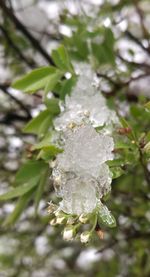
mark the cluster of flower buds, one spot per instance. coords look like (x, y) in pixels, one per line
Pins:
(83, 226)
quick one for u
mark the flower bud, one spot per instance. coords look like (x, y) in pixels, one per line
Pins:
(71, 220)
(83, 218)
(53, 222)
(60, 219)
(85, 237)
(68, 233)
(51, 208)
(59, 212)
(147, 148)
(52, 163)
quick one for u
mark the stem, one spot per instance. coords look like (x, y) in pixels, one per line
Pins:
(146, 172)
(8, 12)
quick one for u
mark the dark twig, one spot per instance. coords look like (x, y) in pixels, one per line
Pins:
(29, 63)
(35, 43)
(144, 66)
(137, 41)
(146, 172)
(4, 88)
(119, 85)
(141, 17)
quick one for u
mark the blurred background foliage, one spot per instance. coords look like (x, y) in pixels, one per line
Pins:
(114, 36)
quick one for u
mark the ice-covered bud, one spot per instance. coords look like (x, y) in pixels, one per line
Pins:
(85, 237)
(53, 222)
(68, 233)
(52, 208)
(83, 218)
(147, 148)
(52, 164)
(71, 220)
(60, 219)
(58, 212)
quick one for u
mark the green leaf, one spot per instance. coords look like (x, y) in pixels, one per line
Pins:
(40, 189)
(67, 85)
(104, 52)
(19, 190)
(49, 152)
(52, 81)
(147, 105)
(116, 171)
(53, 105)
(19, 208)
(123, 145)
(105, 217)
(30, 170)
(46, 141)
(35, 80)
(40, 124)
(61, 59)
(116, 162)
(125, 124)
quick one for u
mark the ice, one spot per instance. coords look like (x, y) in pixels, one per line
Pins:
(106, 215)
(81, 176)
(79, 195)
(85, 150)
(86, 103)
(60, 178)
(104, 180)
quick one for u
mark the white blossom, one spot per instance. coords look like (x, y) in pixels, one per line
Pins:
(83, 218)
(85, 237)
(68, 233)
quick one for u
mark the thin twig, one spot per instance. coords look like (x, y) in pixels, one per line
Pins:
(19, 25)
(29, 63)
(146, 172)
(22, 106)
(137, 41)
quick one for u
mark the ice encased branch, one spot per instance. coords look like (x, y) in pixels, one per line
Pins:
(85, 150)
(81, 176)
(86, 104)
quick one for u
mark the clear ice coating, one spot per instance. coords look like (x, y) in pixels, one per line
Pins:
(79, 195)
(86, 104)
(85, 150)
(81, 176)
(106, 215)
(104, 180)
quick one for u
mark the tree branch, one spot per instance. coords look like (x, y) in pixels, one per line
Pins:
(138, 42)
(4, 88)
(35, 43)
(29, 63)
